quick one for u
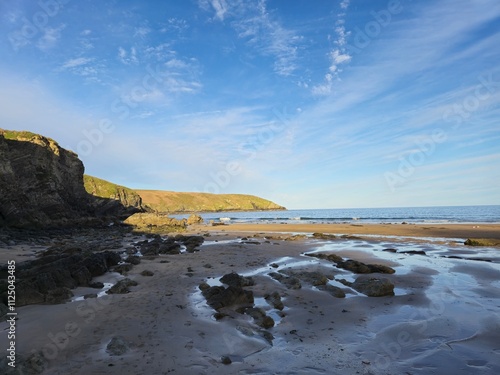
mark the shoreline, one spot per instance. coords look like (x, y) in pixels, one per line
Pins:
(463, 231)
(167, 327)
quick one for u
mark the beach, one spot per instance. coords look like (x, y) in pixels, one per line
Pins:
(441, 318)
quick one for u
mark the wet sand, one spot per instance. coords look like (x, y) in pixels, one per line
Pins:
(425, 328)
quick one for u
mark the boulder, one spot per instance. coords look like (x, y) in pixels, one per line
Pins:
(219, 297)
(359, 267)
(117, 346)
(333, 290)
(274, 299)
(260, 317)
(289, 282)
(373, 287)
(194, 219)
(122, 286)
(233, 279)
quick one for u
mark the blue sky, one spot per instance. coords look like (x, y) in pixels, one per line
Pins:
(318, 104)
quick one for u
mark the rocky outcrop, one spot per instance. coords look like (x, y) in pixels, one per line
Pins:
(50, 278)
(41, 186)
(154, 222)
(371, 286)
(41, 183)
(113, 199)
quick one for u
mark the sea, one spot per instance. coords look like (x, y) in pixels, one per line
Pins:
(415, 215)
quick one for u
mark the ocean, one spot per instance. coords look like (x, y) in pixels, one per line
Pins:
(415, 215)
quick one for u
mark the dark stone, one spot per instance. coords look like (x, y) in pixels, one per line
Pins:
(117, 346)
(373, 287)
(413, 252)
(289, 282)
(123, 269)
(359, 267)
(323, 236)
(333, 290)
(235, 297)
(226, 360)
(330, 257)
(134, 260)
(96, 285)
(147, 273)
(233, 279)
(260, 317)
(274, 299)
(122, 286)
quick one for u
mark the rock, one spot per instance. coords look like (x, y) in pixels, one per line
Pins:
(390, 250)
(134, 260)
(147, 273)
(373, 287)
(330, 257)
(194, 219)
(322, 236)
(274, 299)
(123, 269)
(225, 360)
(289, 282)
(41, 183)
(333, 290)
(260, 317)
(310, 277)
(122, 286)
(96, 285)
(191, 242)
(58, 295)
(91, 295)
(203, 286)
(235, 297)
(233, 279)
(40, 280)
(155, 222)
(359, 267)
(117, 346)
(296, 237)
(482, 242)
(413, 252)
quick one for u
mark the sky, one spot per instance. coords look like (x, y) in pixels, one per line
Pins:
(311, 104)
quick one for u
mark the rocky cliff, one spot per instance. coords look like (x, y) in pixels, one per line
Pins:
(110, 197)
(41, 184)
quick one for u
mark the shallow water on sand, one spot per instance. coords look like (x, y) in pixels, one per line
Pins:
(443, 318)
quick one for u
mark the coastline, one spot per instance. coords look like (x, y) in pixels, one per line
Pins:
(462, 231)
(168, 327)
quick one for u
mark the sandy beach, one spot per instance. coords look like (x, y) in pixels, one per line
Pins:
(166, 326)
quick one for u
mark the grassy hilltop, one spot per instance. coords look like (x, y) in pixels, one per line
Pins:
(170, 201)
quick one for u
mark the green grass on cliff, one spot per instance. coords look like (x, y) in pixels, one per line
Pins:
(170, 201)
(18, 135)
(102, 188)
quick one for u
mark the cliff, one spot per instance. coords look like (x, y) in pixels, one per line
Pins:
(169, 201)
(108, 195)
(41, 183)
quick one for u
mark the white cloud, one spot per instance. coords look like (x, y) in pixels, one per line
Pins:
(50, 37)
(253, 22)
(141, 32)
(72, 63)
(127, 57)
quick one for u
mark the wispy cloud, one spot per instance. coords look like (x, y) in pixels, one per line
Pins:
(128, 57)
(50, 37)
(337, 56)
(253, 22)
(79, 61)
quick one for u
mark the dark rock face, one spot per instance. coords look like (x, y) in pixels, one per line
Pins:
(333, 290)
(41, 183)
(373, 287)
(237, 281)
(359, 267)
(290, 282)
(274, 299)
(169, 245)
(117, 346)
(49, 278)
(219, 297)
(122, 286)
